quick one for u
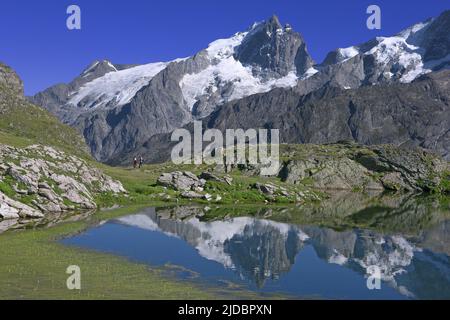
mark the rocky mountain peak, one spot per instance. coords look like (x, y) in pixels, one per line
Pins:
(98, 69)
(10, 80)
(273, 49)
(273, 23)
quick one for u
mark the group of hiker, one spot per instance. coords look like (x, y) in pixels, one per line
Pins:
(138, 162)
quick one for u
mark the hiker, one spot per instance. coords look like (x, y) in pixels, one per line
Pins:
(141, 161)
(135, 163)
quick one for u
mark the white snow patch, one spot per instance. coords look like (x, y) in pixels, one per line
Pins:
(224, 48)
(117, 87)
(412, 34)
(347, 53)
(141, 221)
(229, 71)
(338, 258)
(309, 73)
(112, 66)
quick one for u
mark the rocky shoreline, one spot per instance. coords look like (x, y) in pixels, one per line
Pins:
(38, 180)
(310, 171)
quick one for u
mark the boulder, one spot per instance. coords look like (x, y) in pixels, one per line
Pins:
(12, 209)
(181, 181)
(266, 189)
(8, 212)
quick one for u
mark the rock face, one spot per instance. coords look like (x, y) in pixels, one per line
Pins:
(40, 179)
(334, 174)
(415, 114)
(274, 48)
(350, 166)
(9, 80)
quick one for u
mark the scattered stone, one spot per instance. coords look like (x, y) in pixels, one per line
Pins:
(192, 195)
(228, 180)
(44, 185)
(266, 189)
(48, 194)
(8, 212)
(394, 181)
(207, 197)
(210, 177)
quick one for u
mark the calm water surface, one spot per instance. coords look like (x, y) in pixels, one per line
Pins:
(285, 251)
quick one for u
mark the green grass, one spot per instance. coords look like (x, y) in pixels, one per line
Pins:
(33, 266)
(143, 188)
(6, 186)
(23, 124)
(12, 140)
(445, 183)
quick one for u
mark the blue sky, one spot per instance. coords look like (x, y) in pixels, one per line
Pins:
(36, 42)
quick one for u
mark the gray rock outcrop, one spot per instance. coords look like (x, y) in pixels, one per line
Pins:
(351, 166)
(39, 179)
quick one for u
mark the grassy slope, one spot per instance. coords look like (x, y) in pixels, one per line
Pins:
(23, 124)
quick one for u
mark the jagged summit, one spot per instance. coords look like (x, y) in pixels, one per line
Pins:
(99, 68)
(270, 47)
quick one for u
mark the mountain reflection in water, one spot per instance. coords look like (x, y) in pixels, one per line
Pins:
(414, 263)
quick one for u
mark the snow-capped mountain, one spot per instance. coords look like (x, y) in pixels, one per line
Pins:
(116, 87)
(118, 108)
(247, 63)
(418, 50)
